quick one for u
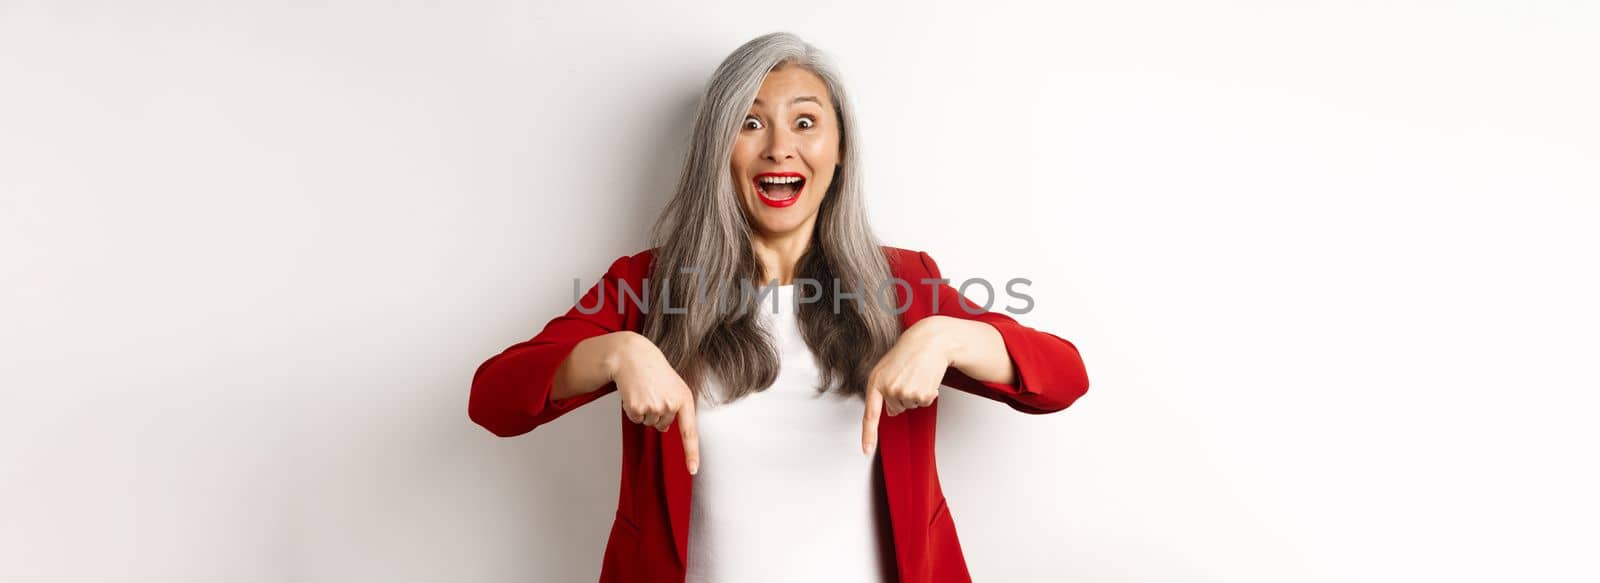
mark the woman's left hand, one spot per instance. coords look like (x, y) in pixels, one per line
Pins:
(908, 376)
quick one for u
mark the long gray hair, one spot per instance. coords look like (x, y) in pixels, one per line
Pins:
(704, 229)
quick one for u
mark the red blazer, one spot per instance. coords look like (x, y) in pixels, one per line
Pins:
(511, 396)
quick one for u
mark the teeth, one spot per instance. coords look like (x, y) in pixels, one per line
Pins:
(779, 179)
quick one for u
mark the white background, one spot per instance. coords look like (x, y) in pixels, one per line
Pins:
(1331, 268)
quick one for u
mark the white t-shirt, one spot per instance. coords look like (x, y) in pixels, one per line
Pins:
(783, 492)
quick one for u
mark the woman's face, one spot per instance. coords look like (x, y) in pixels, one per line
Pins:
(786, 152)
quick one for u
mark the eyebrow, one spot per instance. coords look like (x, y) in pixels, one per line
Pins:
(798, 100)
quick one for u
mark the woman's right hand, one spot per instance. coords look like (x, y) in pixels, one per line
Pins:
(653, 394)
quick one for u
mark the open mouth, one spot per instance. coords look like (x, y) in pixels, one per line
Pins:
(779, 189)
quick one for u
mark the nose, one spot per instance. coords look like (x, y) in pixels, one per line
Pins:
(779, 146)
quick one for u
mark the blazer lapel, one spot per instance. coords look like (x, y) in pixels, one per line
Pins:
(675, 475)
(894, 455)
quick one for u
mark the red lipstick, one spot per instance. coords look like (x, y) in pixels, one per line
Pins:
(783, 193)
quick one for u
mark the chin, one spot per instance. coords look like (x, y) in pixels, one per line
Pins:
(775, 229)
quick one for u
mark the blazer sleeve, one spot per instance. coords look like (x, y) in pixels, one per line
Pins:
(511, 390)
(1049, 373)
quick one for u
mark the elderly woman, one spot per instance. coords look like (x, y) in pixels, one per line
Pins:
(782, 436)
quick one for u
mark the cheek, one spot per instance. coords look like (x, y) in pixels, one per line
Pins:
(740, 159)
(821, 152)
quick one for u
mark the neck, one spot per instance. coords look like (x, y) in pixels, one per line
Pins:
(779, 254)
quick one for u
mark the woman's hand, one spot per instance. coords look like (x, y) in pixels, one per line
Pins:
(653, 394)
(908, 376)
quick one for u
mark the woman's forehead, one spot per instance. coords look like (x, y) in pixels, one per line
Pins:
(791, 86)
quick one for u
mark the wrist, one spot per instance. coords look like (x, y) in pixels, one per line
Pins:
(944, 335)
(621, 348)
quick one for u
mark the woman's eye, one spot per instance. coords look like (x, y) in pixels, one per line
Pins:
(752, 123)
(807, 123)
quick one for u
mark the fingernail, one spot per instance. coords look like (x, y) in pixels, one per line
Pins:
(866, 448)
(694, 467)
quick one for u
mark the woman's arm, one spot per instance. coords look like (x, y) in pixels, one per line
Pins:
(592, 363)
(582, 356)
(972, 347)
(994, 356)
(515, 391)
(984, 353)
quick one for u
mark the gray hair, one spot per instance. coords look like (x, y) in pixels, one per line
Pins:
(704, 228)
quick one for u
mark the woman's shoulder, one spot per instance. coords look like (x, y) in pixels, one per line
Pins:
(632, 267)
(900, 257)
(908, 264)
